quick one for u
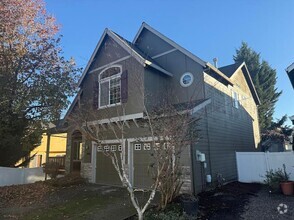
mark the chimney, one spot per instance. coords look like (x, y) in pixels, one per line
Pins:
(215, 62)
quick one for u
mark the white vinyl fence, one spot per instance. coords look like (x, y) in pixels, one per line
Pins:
(15, 176)
(252, 166)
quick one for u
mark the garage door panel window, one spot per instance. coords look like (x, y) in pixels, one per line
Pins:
(119, 148)
(147, 146)
(113, 148)
(137, 146)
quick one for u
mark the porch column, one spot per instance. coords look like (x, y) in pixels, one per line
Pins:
(47, 150)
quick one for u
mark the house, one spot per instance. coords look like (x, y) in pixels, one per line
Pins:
(57, 149)
(290, 72)
(224, 99)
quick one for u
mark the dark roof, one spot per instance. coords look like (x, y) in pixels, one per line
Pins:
(291, 77)
(230, 69)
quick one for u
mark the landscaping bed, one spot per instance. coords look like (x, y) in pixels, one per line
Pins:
(226, 202)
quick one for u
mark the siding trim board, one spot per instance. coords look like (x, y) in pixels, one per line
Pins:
(164, 53)
(117, 119)
(110, 64)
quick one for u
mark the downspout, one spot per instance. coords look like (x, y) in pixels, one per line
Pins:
(207, 130)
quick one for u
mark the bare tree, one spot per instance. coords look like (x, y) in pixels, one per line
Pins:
(169, 130)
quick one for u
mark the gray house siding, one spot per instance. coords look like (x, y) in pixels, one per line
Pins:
(110, 52)
(178, 64)
(151, 44)
(175, 62)
(223, 128)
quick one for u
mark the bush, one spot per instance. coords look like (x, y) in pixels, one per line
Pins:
(274, 178)
(51, 169)
(172, 212)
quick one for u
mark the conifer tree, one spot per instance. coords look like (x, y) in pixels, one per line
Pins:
(264, 78)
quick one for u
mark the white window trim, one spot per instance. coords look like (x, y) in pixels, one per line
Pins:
(100, 81)
(182, 77)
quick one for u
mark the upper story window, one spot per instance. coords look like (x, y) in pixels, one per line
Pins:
(235, 97)
(110, 86)
(186, 79)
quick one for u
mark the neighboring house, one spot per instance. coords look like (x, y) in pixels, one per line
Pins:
(290, 72)
(57, 149)
(223, 98)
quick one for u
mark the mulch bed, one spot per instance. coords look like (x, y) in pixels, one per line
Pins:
(226, 202)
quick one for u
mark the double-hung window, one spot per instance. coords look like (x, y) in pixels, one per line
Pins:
(110, 86)
(235, 99)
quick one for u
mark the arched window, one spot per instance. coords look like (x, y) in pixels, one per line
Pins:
(110, 86)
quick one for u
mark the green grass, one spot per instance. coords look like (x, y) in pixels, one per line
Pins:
(73, 209)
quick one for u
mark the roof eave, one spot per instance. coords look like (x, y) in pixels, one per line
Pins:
(92, 57)
(257, 100)
(209, 65)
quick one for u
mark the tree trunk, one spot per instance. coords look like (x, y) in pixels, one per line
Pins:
(140, 215)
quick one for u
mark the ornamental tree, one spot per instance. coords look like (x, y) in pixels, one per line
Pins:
(35, 79)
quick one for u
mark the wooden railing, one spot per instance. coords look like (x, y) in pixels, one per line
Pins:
(58, 160)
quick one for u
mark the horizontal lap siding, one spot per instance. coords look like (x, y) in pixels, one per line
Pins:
(224, 130)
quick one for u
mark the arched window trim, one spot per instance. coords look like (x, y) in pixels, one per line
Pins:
(109, 79)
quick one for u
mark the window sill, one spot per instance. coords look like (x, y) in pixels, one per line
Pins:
(109, 106)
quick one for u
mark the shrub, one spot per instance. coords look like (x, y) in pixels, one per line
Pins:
(51, 169)
(274, 178)
(172, 212)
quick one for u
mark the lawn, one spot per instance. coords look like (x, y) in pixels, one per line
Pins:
(47, 200)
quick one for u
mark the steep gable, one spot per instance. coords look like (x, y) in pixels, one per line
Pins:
(155, 44)
(115, 47)
(239, 75)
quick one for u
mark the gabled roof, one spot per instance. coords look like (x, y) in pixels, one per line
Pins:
(131, 49)
(290, 72)
(169, 41)
(230, 70)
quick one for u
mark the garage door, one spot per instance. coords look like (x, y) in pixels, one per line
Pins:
(105, 171)
(142, 161)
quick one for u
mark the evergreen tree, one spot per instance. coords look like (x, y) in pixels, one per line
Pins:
(264, 78)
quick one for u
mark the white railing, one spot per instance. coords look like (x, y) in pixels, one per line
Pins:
(252, 166)
(16, 176)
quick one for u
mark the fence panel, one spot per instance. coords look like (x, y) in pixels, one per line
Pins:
(252, 166)
(15, 176)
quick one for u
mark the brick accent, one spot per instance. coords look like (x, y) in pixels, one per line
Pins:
(86, 171)
(187, 183)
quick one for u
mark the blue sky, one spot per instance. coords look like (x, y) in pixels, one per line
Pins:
(209, 29)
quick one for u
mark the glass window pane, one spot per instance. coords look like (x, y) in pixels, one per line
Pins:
(104, 93)
(110, 72)
(115, 91)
